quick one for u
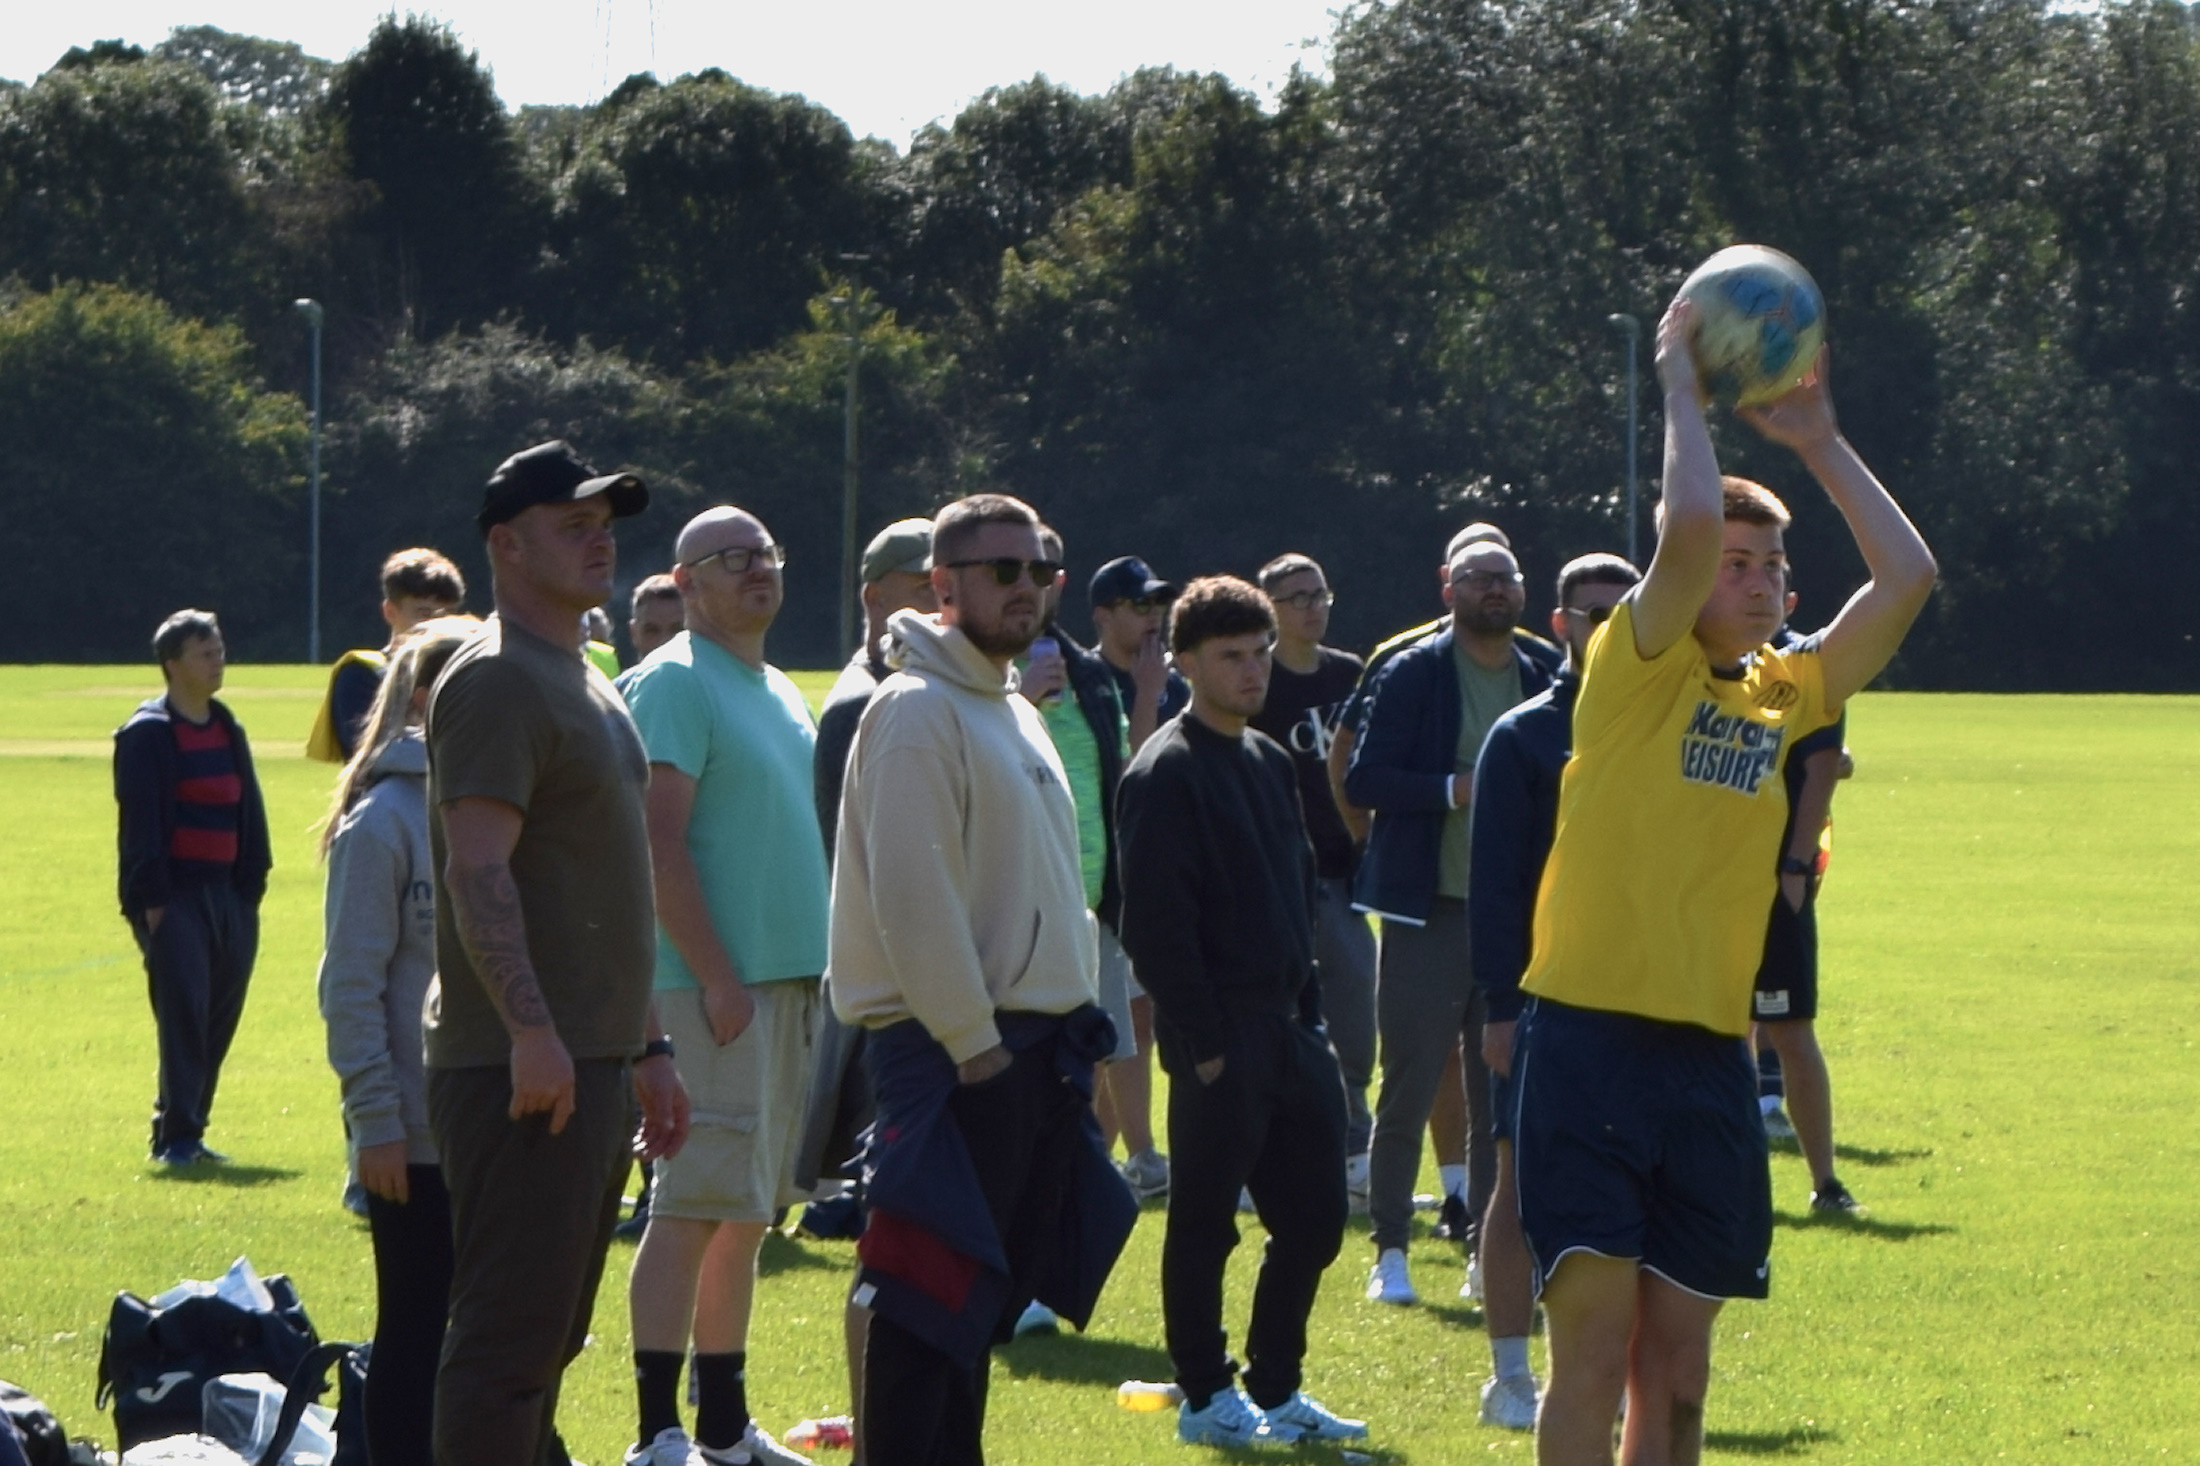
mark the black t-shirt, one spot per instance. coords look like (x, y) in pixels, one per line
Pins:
(1302, 715)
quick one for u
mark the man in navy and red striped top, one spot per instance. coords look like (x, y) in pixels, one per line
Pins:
(194, 863)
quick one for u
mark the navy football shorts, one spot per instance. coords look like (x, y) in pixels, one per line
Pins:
(1641, 1140)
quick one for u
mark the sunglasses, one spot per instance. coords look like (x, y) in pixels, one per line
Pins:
(1007, 569)
(738, 558)
(1597, 615)
(1307, 600)
(1141, 605)
(1487, 579)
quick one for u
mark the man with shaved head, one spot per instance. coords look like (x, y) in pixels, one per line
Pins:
(741, 935)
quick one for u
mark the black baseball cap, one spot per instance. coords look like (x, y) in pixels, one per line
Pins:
(552, 473)
(1128, 579)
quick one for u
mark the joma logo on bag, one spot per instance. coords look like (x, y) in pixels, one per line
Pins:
(168, 1381)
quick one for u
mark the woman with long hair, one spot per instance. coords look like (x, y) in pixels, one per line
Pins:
(375, 970)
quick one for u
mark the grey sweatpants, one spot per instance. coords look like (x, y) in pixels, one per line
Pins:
(1425, 1000)
(1345, 948)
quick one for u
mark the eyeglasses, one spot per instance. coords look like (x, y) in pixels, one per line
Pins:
(1007, 569)
(1597, 615)
(1487, 579)
(1140, 606)
(738, 558)
(1307, 600)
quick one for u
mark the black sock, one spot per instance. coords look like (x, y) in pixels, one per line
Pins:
(657, 1389)
(722, 1391)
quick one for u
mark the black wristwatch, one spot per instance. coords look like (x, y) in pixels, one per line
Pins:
(656, 1048)
(1791, 865)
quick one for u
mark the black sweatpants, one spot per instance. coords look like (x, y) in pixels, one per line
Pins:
(197, 966)
(531, 1220)
(1273, 1122)
(412, 1298)
(922, 1407)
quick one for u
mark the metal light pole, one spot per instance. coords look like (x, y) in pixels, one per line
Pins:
(1633, 328)
(311, 310)
(849, 477)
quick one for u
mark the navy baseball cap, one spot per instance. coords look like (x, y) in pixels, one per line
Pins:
(1128, 579)
(552, 473)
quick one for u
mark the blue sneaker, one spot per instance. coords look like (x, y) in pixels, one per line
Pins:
(1229, 1419)
(1308, 1419)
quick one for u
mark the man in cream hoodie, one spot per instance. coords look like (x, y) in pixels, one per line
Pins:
(961, 941)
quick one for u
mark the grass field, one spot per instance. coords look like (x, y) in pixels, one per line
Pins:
(2010, 931)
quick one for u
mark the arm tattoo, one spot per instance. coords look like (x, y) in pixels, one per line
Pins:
(485, 904)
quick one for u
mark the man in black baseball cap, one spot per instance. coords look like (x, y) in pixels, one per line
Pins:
(552, 473)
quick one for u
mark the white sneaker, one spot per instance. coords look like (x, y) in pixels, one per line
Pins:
(1311, 1420)
(1037, 1318)
(1388, 1281)
(1355, 1173)
(671, 1448)
(1471, 1289)
(1148, 1174)
(1509, 1401)
(757, 1448)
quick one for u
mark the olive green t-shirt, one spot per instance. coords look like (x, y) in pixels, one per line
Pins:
(517, 719)
(1484, 697)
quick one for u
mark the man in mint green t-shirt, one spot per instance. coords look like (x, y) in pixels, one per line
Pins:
(742, 893)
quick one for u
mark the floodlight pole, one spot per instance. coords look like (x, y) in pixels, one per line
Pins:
(1633, 328)
(311, 310)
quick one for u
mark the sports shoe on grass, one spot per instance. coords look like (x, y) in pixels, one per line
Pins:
(1509, 1401)
(1451, 1220)
(1228, 1419)
(1313, 1421)
(1388, 1281)
(1037, 1318)
(1834, 1197)
(1777, 1125)
(757, 1448)
(671, 1448)
(1471, 1289)
(1148, 1173)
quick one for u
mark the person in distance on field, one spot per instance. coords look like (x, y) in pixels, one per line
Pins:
(1307, 690)
(1515, 808)
(417, 585)
(1218, 913)
(655, 616)
(1644, 1191)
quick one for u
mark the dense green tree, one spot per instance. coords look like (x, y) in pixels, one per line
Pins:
(124, 172)
(697, 218)
(142, 442)
(274, 76)
(456, 216)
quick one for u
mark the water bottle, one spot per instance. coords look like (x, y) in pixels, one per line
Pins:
(836, 1432)
(1140, 1394)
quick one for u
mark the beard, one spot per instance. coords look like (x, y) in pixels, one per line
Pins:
(1002, 636)
(1486, 618)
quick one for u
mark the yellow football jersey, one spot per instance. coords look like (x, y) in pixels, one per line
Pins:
(1662, 873)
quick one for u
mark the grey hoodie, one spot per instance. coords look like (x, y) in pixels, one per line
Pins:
(380, 953)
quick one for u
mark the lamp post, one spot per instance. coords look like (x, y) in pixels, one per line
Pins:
(1633, 328)
(849, 475)
(311, 310)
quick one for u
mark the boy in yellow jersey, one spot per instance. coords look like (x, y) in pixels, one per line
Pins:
(1641, 1158)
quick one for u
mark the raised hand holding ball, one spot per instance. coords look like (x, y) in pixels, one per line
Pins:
(1759, 321)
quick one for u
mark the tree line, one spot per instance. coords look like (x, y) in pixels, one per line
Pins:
(1182, 321)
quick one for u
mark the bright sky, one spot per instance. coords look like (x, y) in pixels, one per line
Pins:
(885, 68)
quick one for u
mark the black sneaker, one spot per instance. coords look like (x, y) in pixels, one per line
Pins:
(188, 1153)
(1451, 1221)
(1834, 1197)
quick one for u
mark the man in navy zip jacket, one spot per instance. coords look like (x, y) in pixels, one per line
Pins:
(194, 862)
(1515, 812)
(1412, 764)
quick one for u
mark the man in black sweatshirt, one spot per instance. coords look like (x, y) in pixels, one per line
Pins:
(1218, 899)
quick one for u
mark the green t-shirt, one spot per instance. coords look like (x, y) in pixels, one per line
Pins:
(747, 740)
(1484, 697)
(1079, 751)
